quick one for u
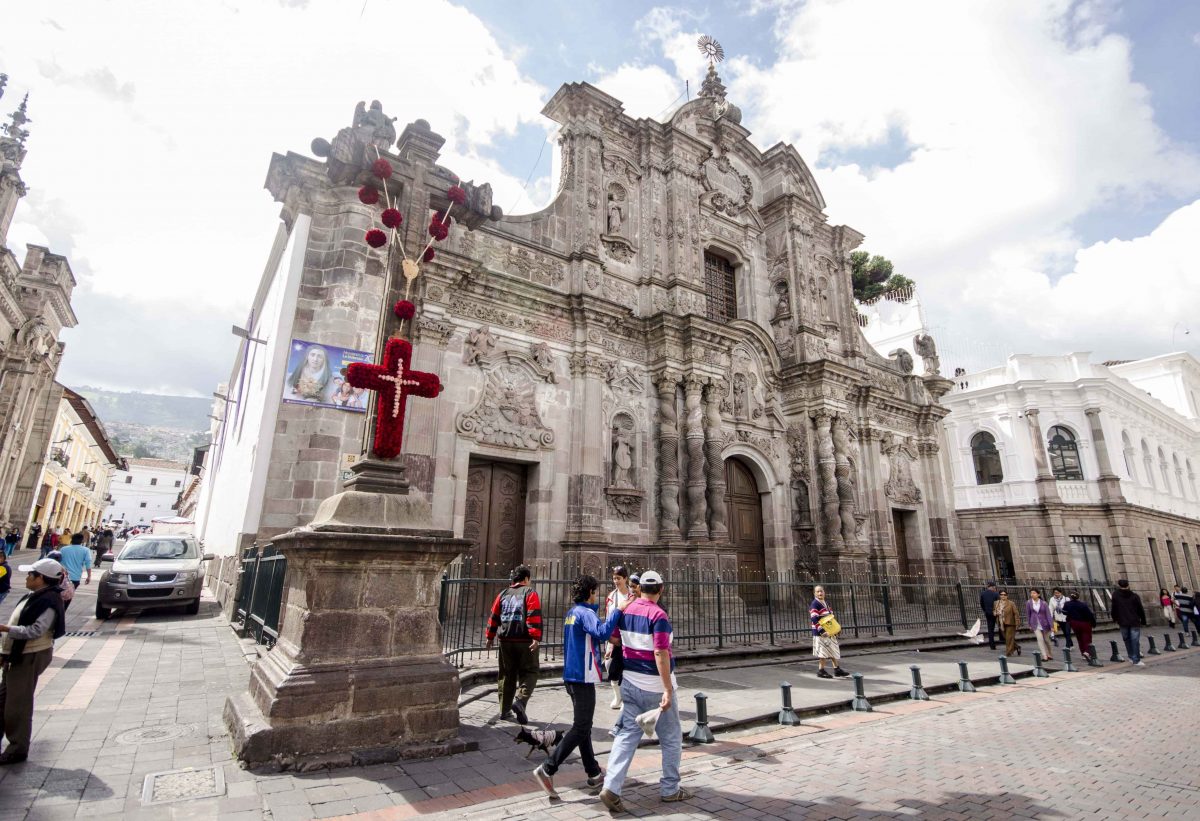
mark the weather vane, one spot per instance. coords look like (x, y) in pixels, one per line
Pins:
(711, 49)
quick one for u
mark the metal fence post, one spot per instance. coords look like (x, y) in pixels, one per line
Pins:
(770, 614)
(442, 599)
(962, 605)
(720, 618)
(887, 609)
(854, 609)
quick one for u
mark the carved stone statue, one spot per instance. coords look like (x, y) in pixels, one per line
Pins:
(782, 308)
(377, 128)
(739, 396)
(614, 216)
(926, 348)
(540, 352)
(622, 456)
(900, 453)
(480, 343)
(903, 360)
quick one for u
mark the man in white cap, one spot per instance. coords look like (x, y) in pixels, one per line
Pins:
(26, 651)
(648, 682)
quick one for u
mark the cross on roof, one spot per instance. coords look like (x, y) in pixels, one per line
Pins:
(393, 382)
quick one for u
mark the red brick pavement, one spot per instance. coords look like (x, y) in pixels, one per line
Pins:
(1111, 743)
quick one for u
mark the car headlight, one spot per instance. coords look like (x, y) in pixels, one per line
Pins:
(120, 578)
(186, 576)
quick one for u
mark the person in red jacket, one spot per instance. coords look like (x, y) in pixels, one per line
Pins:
(517, 618)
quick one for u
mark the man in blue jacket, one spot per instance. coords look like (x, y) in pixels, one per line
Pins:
(583, 636)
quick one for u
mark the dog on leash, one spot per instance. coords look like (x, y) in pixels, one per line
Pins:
(544, 740)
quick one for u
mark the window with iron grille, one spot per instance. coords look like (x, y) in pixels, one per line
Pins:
(719, 283)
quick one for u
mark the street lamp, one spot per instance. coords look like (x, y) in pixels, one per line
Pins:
(1186, 331)
(242, 333)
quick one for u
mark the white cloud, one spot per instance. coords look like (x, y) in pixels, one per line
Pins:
(646, 91)
(153, 125)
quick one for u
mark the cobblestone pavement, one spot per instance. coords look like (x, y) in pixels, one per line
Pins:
(135, 696)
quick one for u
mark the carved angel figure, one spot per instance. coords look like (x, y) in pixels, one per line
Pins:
(926, 348)
(378, 127)
(614, 216)
(480, 343)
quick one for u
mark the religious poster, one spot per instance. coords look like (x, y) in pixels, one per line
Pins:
(316, 375)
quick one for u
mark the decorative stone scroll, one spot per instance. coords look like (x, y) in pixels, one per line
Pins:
(506, 413)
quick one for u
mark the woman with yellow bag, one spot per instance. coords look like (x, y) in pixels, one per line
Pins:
(825, 630)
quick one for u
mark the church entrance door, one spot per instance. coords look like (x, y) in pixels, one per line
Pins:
(899, 528)
(495, 517)
(746, 531)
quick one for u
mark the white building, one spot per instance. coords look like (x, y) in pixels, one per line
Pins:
(1062, 466)
(148, 489)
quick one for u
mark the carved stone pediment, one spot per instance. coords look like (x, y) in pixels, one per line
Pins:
(506, 413)
(621, 377)
(725, 189)
(539, 367)
(618, 247)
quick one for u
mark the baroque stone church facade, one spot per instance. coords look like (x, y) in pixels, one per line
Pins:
(662, 366)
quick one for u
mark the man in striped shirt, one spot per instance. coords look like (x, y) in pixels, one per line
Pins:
(517, 617)
(649, 682)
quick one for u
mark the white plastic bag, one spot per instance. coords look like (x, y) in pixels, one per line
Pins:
(648, 720)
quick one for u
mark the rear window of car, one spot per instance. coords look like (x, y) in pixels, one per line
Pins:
(160, 549)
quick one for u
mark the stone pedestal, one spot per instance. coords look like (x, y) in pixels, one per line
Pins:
(358, 674)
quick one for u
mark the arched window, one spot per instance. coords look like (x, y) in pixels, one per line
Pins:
(1130, 454)
(988, 470)
(1191, 478)
(1178, 475)
(721, 287)
(1147, 463)
(1162, 466)
(1064, 454)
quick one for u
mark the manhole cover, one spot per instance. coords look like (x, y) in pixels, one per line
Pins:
(152, 735)
(81, 634)
(177, 785)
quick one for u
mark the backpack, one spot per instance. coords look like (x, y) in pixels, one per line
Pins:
(512, 614)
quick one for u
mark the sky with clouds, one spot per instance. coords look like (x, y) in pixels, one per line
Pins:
(1035, 165)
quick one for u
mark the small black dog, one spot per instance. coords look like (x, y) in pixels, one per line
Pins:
(544, 740)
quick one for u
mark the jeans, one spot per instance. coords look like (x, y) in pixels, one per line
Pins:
(670, 739)
(1133, 643)
(1184, 618)
(583, 701)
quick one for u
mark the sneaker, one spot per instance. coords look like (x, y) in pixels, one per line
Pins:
(1139, 663)
(612, 801)
(680, 795)
(823, 674)
(594, 783)
(518, 709)
(839, 672)
(546, 782)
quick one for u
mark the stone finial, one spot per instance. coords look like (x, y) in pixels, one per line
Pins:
(12, 144)
(712, 85)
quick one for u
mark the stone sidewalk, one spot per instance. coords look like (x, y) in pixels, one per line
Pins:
(136, 696)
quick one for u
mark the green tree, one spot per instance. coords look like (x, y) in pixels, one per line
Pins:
(874, 275)
(140, 451)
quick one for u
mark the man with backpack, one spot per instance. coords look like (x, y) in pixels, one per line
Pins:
(517, 618)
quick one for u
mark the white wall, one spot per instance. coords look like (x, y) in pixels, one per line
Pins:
(144, 492)
(235, 480)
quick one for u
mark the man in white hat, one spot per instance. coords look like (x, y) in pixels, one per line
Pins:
(26, 651)
(648, 682)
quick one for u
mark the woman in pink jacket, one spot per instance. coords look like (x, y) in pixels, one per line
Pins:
(1040, 620)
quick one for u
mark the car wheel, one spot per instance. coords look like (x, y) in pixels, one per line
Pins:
(102, 612)
(193, 608)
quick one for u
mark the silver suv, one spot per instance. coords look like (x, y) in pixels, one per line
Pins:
(153, 571)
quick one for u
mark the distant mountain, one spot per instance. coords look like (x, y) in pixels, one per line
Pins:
(183, 413)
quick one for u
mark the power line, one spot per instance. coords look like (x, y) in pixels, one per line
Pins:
(529, 176)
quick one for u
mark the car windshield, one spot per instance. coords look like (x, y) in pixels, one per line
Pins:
(160, 549)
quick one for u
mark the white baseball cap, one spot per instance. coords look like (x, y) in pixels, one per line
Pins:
(47, 567)
(651, 577)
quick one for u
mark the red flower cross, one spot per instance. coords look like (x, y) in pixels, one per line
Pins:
(393, 382)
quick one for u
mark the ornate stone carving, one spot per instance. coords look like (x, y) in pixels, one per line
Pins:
(783, 309)
(536, 267)
(625, 504)
(622, 452)
(694, 439)
(616, 211)
(926, 348)
(726, 189)
(827, 469)
(617, 247)
(541, 354)
(845, 480)
(668, 459)
(591, 277)
(434, 330)
(506, 413)
(903, 360)
(718, 525)
(374, 127)
(901, 454)
(480, 344)
(621, 377)
(797, 438)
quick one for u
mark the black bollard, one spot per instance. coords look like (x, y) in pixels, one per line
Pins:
(1116, 655)
(1195, 639)
(701, 734)
(1068, 667)
(860, 702)
(1092, 660)
(787, 716)
(1005, 677)
(964, 679)
(1153, 651)
(1183, 641)
(917, 691)
(1167, 648)
(1038, 670)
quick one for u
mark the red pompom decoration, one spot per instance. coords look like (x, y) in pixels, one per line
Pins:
(391, 218)
(428, 255)
(376, 238)
(456, 195)
(438, 231)
(368, 195)
(382, 169)
(440, 216)
(404, 309)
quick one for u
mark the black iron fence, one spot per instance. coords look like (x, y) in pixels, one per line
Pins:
(260, 593)
(715, 613)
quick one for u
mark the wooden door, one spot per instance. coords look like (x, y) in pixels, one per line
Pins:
(495, 517)
(901, 535)
(746, 531)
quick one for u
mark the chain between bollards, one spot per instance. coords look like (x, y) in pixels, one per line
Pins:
(1068, 667)
(1005, 676)
(917, 691)
(1116, 655)
(860, 702)
(1167, 648)
(700, 733)
(1038, 670)
(1093, 661)
(787, 716)
(964, 679)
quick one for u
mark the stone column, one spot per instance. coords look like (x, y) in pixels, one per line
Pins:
(718, 525)
(697, 527)
(668, 457)
(358, 674)
(845, 486)
(1110, 483)
(827, 475)
(1046, 486)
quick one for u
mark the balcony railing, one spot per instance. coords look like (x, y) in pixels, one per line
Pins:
(59, 455)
